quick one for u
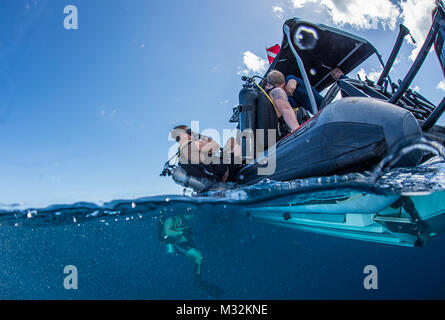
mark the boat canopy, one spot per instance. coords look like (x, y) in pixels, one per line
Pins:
(322, 49)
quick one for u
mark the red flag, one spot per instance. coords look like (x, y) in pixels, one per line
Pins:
(272, 52)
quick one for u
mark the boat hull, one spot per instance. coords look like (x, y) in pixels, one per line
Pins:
(363, 216)
(350, 134)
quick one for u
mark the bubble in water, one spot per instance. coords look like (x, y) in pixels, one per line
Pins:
(306, 38)
(313, 72)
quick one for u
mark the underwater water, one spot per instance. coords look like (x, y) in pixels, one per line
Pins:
(116, 249)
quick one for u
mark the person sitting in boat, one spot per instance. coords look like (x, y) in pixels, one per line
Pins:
(285, 113)
(295, 89)
(202, 157)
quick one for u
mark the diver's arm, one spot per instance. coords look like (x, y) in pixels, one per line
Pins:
(290, 118)
(291, 85)
(279, 96)
(209, 145)
(337, 74)
(168, 229)
(207, 148)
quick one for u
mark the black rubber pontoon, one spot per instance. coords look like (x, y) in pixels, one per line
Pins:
(351, 134)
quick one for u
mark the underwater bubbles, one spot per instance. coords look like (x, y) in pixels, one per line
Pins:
(306, 38)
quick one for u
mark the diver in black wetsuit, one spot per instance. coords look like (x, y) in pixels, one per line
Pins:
(202, 157)
(173, 231)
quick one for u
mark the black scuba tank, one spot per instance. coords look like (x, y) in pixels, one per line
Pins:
(248, 104)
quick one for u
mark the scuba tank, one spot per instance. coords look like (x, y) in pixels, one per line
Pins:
(248, 104)
(181, 177)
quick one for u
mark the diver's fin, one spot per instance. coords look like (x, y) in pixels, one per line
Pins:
(212, 289)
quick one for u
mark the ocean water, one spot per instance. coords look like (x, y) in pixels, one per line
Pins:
(116, 250)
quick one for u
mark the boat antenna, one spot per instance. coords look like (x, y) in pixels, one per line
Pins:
(438, 15)
(403, 32)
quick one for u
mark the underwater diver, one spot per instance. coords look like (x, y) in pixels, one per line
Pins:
(202, 157)
(177, 235)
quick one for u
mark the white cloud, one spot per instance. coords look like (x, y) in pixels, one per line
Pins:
(278, 11)
(373, 75)
(253, 64)
(301, 3)
(441, 85)
(416, 15)
(358, 13)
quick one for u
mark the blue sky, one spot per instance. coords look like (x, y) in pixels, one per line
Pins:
(85, 114)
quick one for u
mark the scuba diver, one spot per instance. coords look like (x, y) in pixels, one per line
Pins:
(289, 93)
(286, 115)
(296, 89)
(178, 237)
(202, 157)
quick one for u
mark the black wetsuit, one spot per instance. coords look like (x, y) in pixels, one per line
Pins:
(213, 171)
(300, 98)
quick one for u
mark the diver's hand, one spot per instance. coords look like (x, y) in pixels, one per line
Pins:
(198, 136)
(205, 138)
(336, 73)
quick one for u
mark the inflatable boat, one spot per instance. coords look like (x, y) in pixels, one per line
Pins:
(358, 124)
